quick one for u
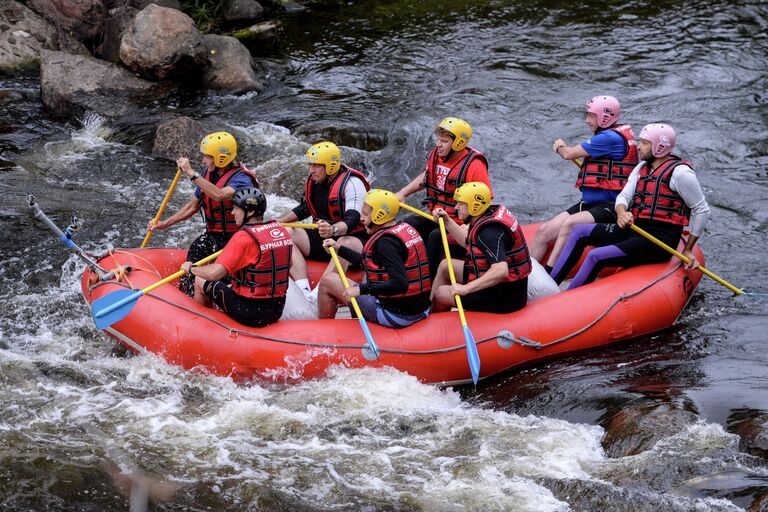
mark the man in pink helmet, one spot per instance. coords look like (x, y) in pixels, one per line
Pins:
(662, 196)
(607, 159)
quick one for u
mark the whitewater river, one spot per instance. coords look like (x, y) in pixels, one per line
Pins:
(677, 421)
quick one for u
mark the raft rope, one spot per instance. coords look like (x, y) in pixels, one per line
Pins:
(521, 340)
(527, 342)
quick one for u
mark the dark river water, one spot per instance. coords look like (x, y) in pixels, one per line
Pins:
(677, 421)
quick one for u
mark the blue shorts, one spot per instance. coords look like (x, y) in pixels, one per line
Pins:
(372, 311)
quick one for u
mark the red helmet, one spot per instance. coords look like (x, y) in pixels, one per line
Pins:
(661, 136)
(606, 108)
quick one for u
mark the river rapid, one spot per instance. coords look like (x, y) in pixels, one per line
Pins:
(677, 421)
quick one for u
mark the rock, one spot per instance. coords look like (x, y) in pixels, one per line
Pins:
(25, 34)
(71, 85)
(83, 19)
(141, 4)
(636, 428)
(178, 137)
(261, 36)
(242, 11)
(752, 431)
(369, 138)
(229, 66)
(163, 43)
(115, 26)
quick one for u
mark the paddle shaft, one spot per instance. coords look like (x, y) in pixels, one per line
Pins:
(344, 281)
(298, 225)
(162, 207)
(355, 306)
(151, 287)
(451, 274)
(670, 250)
(416, 211)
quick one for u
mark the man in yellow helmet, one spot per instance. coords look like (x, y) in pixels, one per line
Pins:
(494, 274)
(333, 196)
(450, 164)
(215, 186)
(397, 283)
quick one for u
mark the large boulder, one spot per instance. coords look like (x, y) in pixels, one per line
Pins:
(180, 136)
(25, 34)
(162, 43)
(242, 12)
(71, 85)
(83, 19)
(117, 23)
(229, 66)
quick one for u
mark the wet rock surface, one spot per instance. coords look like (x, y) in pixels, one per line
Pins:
(162, 43)
(229, 66)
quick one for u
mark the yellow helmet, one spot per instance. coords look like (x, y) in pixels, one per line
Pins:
(384, 204)
(222, 146)
(460, 129)
(476, 194)
(326, 153)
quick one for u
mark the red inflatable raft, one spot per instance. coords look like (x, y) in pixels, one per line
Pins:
(626, 304)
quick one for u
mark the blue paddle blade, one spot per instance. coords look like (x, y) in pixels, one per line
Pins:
(472, 355)
(113, 307)
(371, 343)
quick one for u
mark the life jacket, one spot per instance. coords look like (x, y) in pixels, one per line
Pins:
(518, 260)
(457, 176)
(606, 173)
(267, 277)
(416, 265)
(218, 215)
(653, 198)
(336, 201)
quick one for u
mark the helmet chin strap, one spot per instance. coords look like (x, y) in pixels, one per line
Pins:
(448, 156)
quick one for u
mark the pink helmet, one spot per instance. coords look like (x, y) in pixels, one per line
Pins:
(661, 136)
(606, 108)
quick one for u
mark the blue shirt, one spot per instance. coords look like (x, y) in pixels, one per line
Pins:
(239, 181)
(605, 144)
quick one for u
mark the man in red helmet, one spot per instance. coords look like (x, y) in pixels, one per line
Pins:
(608, 159)
(662, 196)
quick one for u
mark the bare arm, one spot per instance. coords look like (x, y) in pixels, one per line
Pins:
(495, 275)
(212, 272)
(188, 210)
(453, 229)
(568, 152)
(288, 217)
(414, 186)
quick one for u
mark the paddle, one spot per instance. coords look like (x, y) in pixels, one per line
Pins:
(645, 234)
(298, 225)
(416, 211)
(472, 355)
(162, 208)
(363, 324)
(670, 250)
(115, 306)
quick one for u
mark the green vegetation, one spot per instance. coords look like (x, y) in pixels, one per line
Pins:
(205, 13)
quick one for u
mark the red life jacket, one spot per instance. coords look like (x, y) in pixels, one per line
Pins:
(654, 199)
(218, 214)
(518, 260)
(606, 173)
(336, 200)
(267, 277)
(457, 176)
(416, 265)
